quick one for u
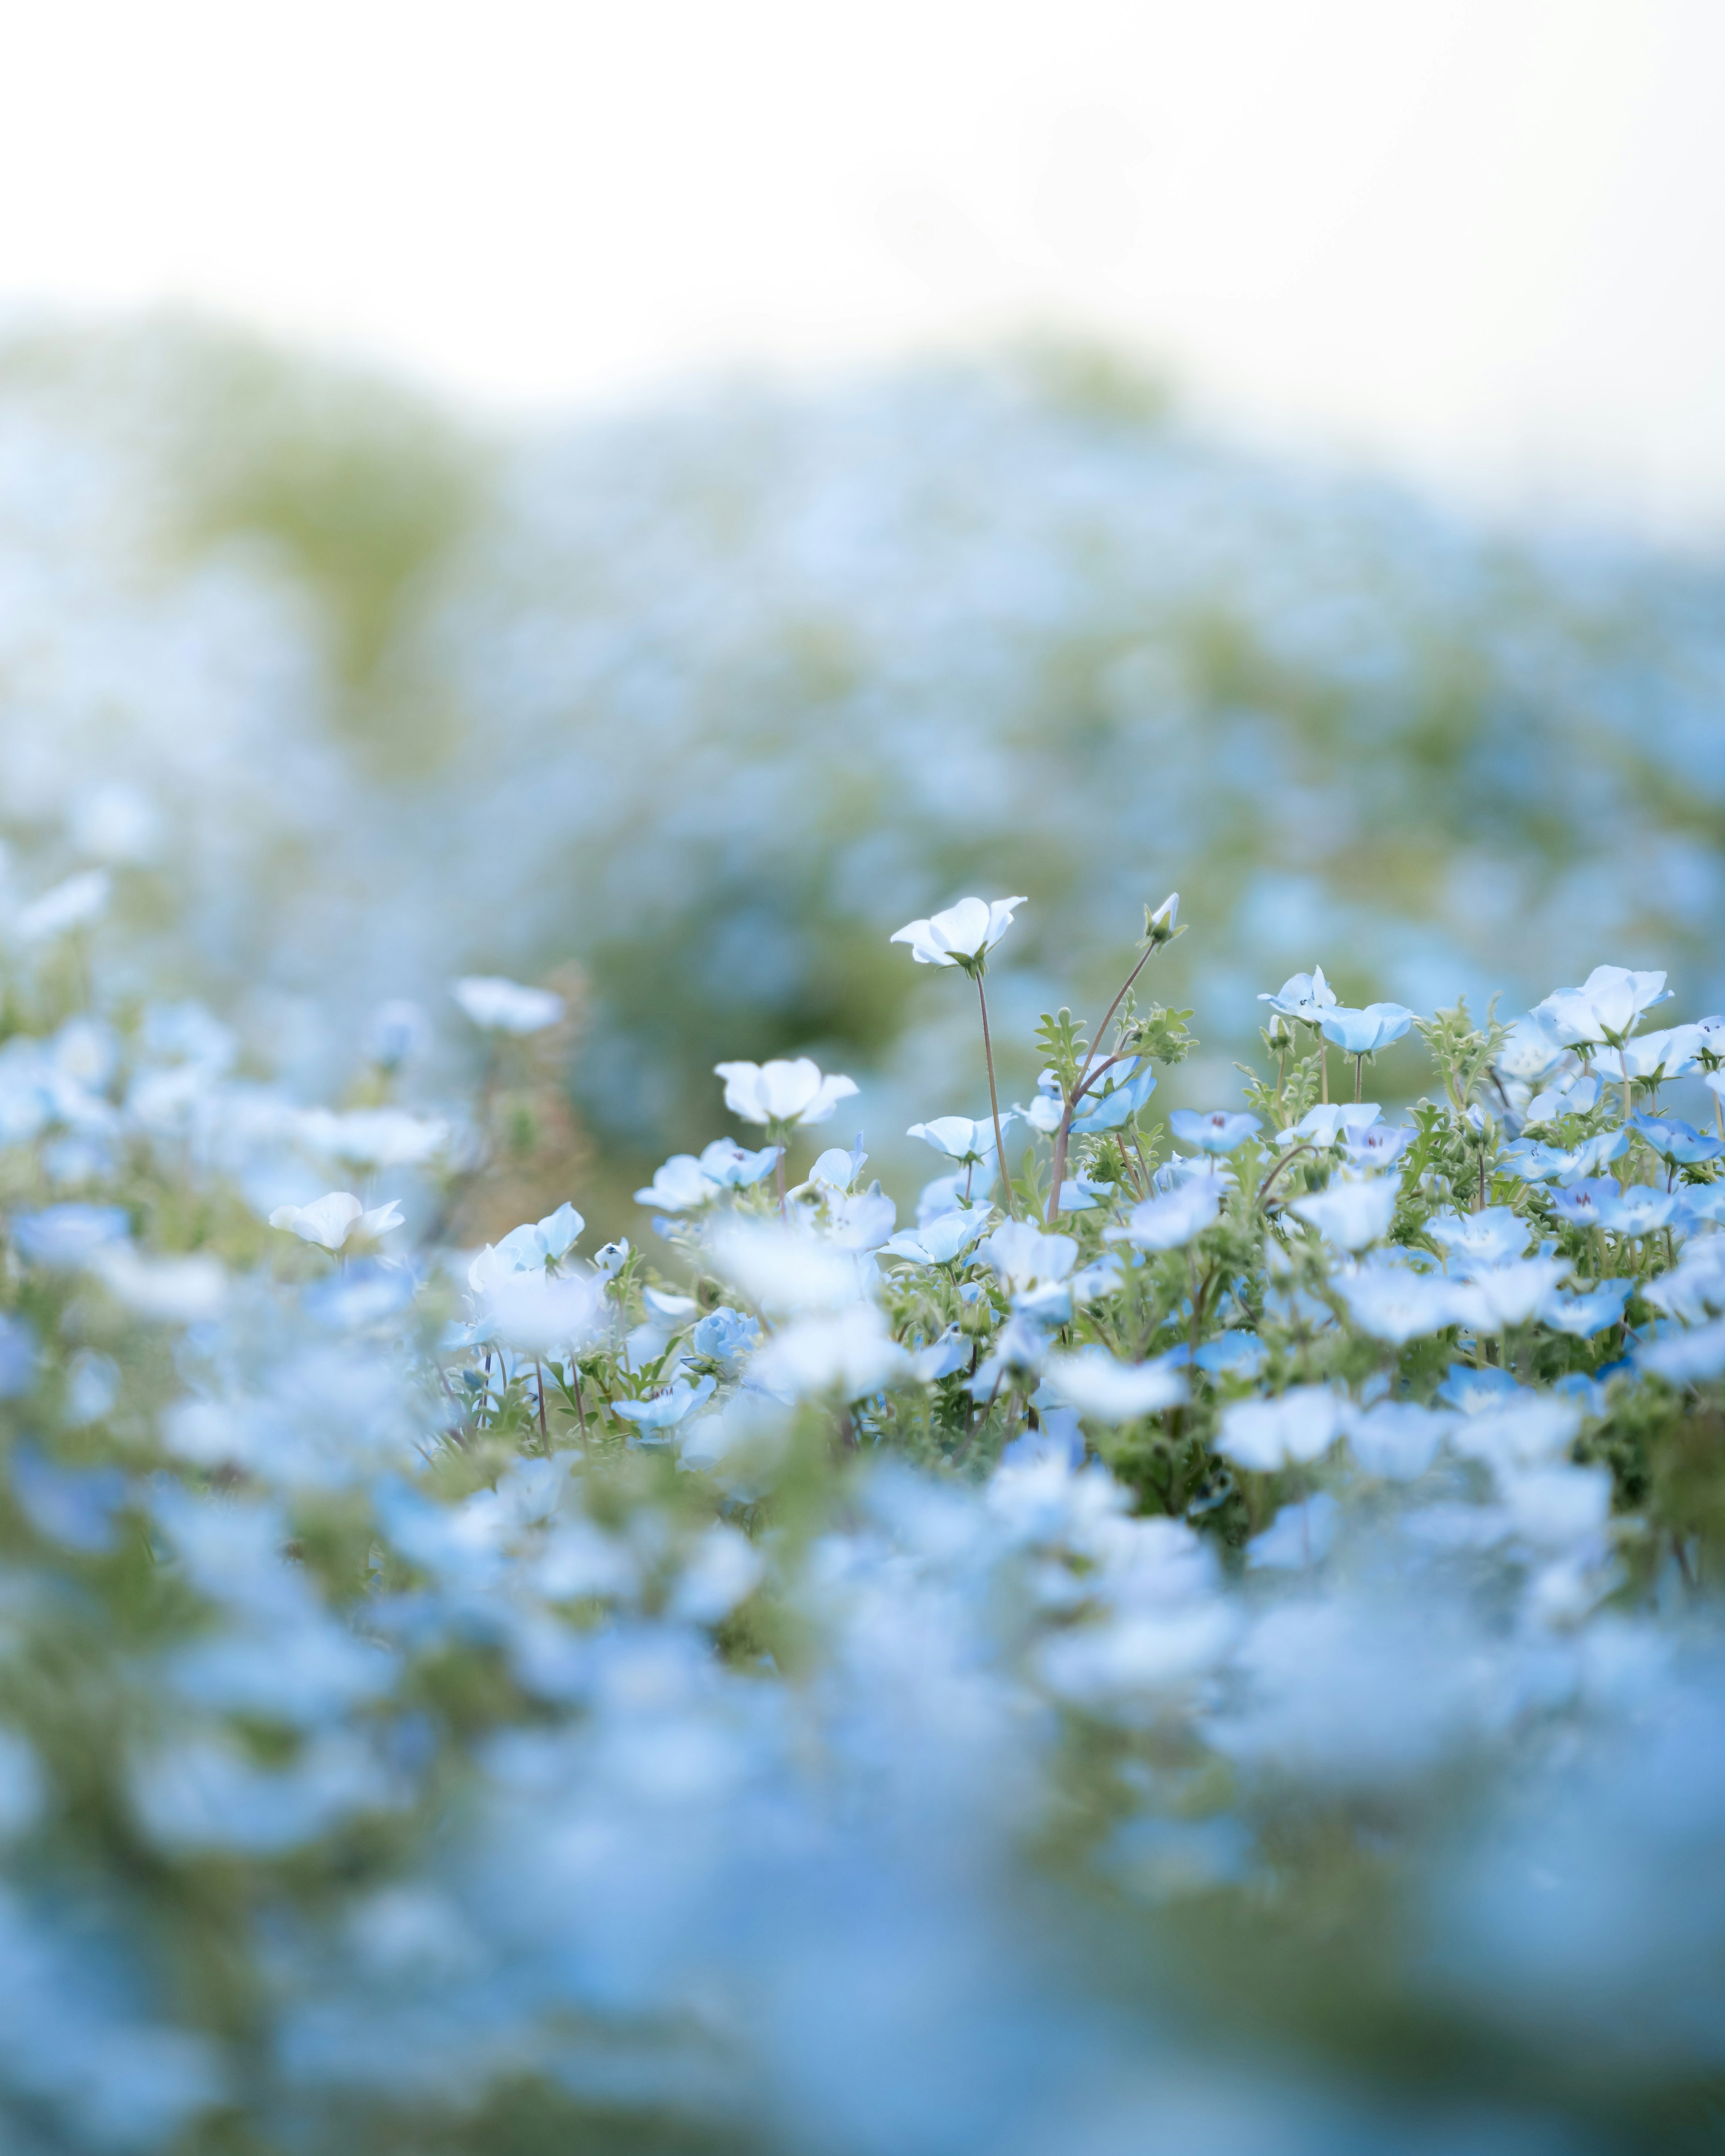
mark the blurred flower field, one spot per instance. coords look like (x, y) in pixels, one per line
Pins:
(667, 1484)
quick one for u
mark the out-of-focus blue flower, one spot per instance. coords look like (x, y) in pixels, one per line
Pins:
(1488, 1238)
(940, 1240)
(498, 1005)
(1395, 1304)
(663, 1413)
(69, 1234)
(1295, 1427)
(1171, 1221)
(1586, 1313)
(962, 935)
(1353, 1212)
(1217, 1131)
(1365, 1031)
(1652, 1056)
(1097, 1385)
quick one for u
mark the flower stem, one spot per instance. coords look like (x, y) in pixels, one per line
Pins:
(1359, 1077)
(994, 1101)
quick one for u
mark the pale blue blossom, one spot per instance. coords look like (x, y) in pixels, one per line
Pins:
(654, 1416)
(1108, 1391)
(1353, 1212)
(1218, 1131)
(69, 1234)
(1116, 1100)
(1171, 1221)
(940, 1240)
(1330, 1122)
(1674, 1140)
(1300, 1536)
(1586, 1313)
(1289, 1430)
(1303, 996)
(1394, 1304)
(1376, 1146)
(1491, 1237)
(1365, 1031)
(1496, 1297)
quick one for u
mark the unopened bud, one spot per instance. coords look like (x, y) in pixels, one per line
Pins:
(1159, 927)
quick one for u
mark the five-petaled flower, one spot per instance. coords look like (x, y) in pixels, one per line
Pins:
(780, 1094)
(962, 935)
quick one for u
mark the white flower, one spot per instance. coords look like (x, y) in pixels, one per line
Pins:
(504, 1006)
(73, 904)
(1025, 1258)
(1353, 1212)
(1611, 1001)
(1109, 1391)
(779, 1092)
(1671, 1052)
(678, 1185)
(963, 935)
(938, 1241)
(542, 1313)
(850, 1353)
(958, 1138)
(1299, 1426)
(179, 1290)
(374, 1137)
(336, 1219)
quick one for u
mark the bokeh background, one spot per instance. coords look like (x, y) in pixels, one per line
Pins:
(651, 504)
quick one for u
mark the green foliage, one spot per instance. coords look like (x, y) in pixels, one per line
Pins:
(1463, 1052)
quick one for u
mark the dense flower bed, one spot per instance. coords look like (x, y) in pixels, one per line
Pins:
(1209, 1642)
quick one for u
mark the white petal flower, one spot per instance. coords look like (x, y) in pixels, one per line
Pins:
(963, 935)
(1609, 1001)
(336, 1219)
(1109, 1391)
(784, 1093)
(505, 1006)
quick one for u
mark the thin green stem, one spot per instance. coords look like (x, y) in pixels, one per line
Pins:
(995, 1103)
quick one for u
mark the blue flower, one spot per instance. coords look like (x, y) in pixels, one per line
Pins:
(1304, 996)
(1216, 1132)
(1364, 1032)
(1675, 1140)
(1115, 1103)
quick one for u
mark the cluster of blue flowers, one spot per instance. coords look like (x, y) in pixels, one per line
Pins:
(1205, 1637)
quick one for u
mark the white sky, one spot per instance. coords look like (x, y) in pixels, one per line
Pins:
(1479, 238)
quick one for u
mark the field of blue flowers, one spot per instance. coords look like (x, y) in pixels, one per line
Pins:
(547, 1600)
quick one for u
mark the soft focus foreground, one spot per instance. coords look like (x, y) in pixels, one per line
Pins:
(1210, 1645)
